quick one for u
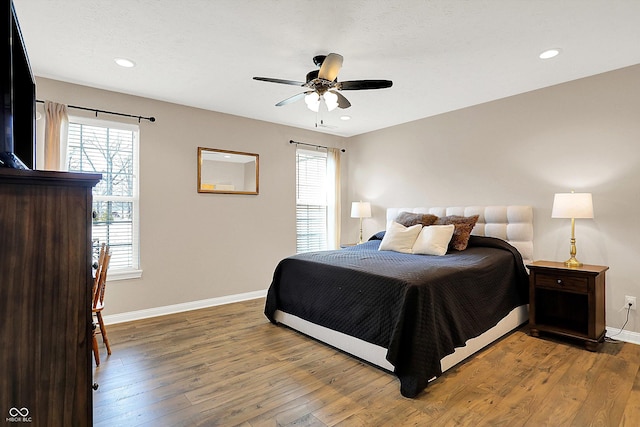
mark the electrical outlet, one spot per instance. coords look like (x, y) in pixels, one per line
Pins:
(630, 300)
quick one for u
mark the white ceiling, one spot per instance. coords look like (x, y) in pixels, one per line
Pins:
(442, 55)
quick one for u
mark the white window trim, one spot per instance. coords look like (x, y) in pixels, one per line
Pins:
(124, 273)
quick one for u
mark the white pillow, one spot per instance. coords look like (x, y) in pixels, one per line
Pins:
(433, 240)
(400, 238)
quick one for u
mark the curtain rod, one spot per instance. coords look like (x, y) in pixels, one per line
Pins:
(291, 141)
(151, 119)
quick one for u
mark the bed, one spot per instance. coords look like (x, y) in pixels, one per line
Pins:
(413, 315)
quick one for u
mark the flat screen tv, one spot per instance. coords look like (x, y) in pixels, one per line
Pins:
(17, 142)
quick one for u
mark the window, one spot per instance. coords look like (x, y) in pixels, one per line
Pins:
(311, 200)
(110, 148)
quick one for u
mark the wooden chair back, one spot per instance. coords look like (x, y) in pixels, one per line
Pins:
(100, 280)
(97, 303)
(98, 265)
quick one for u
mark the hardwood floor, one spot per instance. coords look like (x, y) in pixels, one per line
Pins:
(228, 366)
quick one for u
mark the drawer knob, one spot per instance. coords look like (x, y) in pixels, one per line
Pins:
(559, 281)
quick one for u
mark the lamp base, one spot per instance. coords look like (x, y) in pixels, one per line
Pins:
(573, 263)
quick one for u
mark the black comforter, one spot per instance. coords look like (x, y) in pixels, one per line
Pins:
(418, 307)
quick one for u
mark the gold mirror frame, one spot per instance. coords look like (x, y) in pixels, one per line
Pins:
(227, 172)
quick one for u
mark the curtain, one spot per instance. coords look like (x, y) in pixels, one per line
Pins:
(333, 198)
(55, 138)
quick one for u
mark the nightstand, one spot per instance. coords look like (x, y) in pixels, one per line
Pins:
(567, 301)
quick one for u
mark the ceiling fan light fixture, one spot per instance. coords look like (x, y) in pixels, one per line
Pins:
(331, 99)
(323, 85)
(313, 101)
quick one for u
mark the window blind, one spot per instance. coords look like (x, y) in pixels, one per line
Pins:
(110, 149)
(311, 200)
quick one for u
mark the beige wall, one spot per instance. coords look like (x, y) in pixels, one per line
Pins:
(582, 135)
(199, 246)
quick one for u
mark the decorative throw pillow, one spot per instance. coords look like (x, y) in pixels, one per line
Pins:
(433, 240)
(408, 219)
(463, 226)
(400, 238)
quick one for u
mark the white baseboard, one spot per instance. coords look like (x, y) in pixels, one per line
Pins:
(622, 335)
(178, 308)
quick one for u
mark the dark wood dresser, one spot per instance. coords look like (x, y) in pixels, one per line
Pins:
(45, 298)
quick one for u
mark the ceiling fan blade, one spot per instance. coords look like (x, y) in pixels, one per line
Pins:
(342, 101)
(364, 84)
(293, 98)
(330, 67)
(284, 82)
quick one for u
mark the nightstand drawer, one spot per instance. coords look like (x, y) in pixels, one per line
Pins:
(560, 281)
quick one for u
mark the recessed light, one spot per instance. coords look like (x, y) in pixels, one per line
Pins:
(345, 117)
(126, 63)
(549, 53)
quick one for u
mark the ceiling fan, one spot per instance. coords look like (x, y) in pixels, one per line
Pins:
(324, 85)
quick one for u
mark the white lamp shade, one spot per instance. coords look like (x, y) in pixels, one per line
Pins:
(360, 210)
(313, 101)
(572, 205)
(331, 99)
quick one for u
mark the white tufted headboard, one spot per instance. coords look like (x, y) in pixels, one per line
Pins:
(514, 224)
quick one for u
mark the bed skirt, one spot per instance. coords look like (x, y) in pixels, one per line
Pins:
(376, 355)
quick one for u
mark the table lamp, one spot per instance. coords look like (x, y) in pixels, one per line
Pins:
(572, 205)
(360, 210)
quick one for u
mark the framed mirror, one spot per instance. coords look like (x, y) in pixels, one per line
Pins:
(227, 172)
